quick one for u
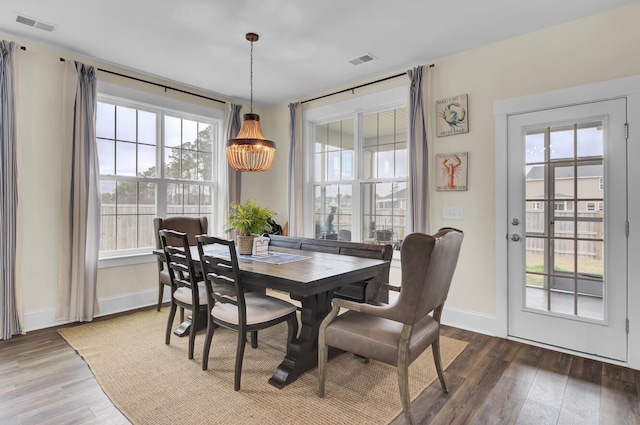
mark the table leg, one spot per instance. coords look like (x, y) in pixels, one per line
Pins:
(184, 328)
(302, 353)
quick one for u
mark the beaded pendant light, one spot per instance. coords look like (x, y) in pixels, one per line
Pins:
(250, 150)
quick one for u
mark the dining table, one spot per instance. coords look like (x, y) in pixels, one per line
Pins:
(308, 277)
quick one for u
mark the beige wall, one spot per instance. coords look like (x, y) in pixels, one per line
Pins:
(588, 50)
(270, 187)
(39, 173)
(40, 77)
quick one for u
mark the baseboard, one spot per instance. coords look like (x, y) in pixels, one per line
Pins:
(469, 320)
(40, 319)
(45, 318)
(130, 301)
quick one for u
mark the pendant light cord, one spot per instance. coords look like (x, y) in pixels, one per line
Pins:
(251, 77)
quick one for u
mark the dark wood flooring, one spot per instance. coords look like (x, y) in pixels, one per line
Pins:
(493, 381)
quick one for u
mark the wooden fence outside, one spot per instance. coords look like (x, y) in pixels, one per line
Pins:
(115, 229)
(588, 229)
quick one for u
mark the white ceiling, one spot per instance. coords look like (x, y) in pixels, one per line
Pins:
(304, 45)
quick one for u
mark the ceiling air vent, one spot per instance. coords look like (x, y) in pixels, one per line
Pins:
(362, 59)
(35, 23)
(26, 21)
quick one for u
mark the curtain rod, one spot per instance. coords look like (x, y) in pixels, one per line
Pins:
(156, 84)
(351, 89)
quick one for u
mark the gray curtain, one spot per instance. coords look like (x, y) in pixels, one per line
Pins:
(417, 219)
(233, 124)
(10, 305)
(296, 227)
(80, 227)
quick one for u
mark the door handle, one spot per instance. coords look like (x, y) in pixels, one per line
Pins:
(515, 237)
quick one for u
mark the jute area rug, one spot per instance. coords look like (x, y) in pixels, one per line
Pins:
(154, 383)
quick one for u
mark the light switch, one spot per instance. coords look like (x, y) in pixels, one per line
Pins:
(452, 213)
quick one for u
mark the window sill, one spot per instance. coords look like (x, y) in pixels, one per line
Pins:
(395, 260)
(126, 260)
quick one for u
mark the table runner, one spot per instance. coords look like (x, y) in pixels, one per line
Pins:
(274, 257)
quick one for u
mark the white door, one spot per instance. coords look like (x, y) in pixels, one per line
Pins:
(567, 212)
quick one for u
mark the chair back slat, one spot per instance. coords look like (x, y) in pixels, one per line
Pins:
(180, 264)
(221, 271)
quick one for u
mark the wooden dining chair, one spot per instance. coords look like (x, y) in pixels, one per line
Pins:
(186, 290)
(192, 226)
(243, 312)
(396, 334)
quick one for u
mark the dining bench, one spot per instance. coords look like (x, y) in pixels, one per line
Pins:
(363, 291)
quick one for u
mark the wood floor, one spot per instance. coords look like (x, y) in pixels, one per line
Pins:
(493, 381)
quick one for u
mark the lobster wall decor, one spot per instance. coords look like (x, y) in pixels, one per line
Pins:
(453, 171)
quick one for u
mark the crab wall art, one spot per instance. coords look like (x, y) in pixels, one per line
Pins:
(452, 116)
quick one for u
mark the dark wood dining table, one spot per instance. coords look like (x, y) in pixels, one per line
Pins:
(311, 281)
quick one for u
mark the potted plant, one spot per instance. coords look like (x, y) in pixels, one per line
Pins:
(249, 220)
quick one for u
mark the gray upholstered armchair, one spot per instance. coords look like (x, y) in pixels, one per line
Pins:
(398, 333)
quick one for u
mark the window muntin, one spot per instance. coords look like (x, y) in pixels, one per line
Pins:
(383, 211)
(189, 200)
(153, 162)
(188, 152)
(384, 140)
(565, 242)
(334, 156)
(332, 209)
(359, 177)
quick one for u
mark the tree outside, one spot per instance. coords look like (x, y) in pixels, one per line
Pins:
(128, 206)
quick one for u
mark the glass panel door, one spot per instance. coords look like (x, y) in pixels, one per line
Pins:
(567, 211)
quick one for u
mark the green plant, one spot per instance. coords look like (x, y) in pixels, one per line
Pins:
(248, 218)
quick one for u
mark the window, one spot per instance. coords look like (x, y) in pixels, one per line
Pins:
(383, 170)
(153, 162)
(333, 167)
(359, 176)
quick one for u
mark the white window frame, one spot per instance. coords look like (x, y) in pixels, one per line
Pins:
(111, 93)
(352, 108)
